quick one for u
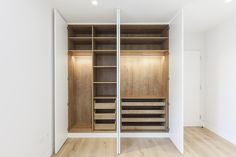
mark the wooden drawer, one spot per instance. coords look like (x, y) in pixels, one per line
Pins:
(105, 126)
(142, 128)
(143, 103)
(101, 116)
(143, 111)
(143, 119)
(104, 105)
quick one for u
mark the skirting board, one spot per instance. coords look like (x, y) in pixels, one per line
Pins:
(123, 135)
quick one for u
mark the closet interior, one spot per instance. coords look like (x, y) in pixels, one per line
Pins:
(92, 66)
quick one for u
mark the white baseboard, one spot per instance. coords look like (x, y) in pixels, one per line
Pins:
(123, 135)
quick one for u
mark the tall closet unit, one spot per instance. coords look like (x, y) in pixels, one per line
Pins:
(143, 81)
(116, 79)
(92, 78)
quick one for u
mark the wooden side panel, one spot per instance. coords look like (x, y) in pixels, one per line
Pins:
(83, 90)
(142, 76)
(71, 107)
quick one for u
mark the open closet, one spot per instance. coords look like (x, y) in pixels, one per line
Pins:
(118, 80)
(92, 77)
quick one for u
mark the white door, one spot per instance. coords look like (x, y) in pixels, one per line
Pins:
(176, 82)
(60, 81)
(192, 88)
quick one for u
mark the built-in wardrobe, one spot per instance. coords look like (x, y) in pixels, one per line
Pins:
(92, 63)
(118, 80)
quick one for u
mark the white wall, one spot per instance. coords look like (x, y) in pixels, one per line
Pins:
(220, 107)
(26, 78)
(195, 41)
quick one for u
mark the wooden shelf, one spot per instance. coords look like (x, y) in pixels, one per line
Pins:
(104, 38)
(104, 66)
(104, 51)
(80, 52)
(104, 82)
(80, 38)
(144, 52)
(105, 97)
(143, 40)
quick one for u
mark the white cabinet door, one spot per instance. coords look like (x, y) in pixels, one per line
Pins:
(118, 81)
(60, 81)
(176, 95)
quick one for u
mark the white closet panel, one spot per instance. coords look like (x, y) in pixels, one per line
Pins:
(176, 95)
(118, 81)
(60, 81)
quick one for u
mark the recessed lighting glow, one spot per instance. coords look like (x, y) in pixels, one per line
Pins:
(228, 1)
(94, 2)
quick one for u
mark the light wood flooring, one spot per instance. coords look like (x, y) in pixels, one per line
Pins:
(199, 142)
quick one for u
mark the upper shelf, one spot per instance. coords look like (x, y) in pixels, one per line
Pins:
(143, 40)
(144, 30)
(79, 31)
(104, 30)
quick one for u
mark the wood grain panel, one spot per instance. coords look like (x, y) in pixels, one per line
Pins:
(142, 76)
(83, 90)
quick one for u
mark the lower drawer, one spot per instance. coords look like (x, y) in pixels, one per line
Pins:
(142, 128)
(105, 126)
(100, 116)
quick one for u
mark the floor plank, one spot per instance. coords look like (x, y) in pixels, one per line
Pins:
(199, 142)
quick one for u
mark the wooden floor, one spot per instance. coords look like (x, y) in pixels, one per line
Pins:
(199, 142)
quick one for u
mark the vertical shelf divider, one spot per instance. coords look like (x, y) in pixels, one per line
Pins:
(92, 78)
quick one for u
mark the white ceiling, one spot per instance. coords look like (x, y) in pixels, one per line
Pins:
(200, 15)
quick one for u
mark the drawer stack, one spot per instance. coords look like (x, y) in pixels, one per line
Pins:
(105, 115)
(144, 115)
